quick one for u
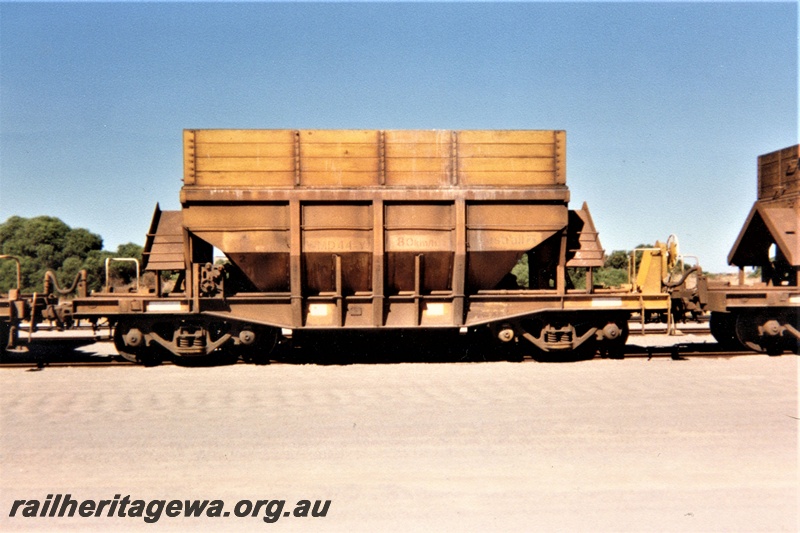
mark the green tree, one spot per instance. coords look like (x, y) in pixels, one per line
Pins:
(46, 243)
(610, 277)
(577, 277)
(125, 271)
(618, 259)
(95, 265)
(613, 273)
(79, 242)
(520, 270)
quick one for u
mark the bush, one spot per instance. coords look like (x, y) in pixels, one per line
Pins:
(46, 243)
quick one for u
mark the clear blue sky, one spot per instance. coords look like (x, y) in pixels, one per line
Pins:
(666, 106)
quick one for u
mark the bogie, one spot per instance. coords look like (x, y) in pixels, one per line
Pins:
(187, 341)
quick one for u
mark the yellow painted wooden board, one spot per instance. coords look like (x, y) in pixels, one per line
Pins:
(417, 179)
(338, 178)
(405, 150)
(244, 179)
(244, 164)
(244, 136)
(339, 136)
(507, 179)
(247, 149)
(509, 136)
(354, 158)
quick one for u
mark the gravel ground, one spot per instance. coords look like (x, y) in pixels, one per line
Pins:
(602, 445)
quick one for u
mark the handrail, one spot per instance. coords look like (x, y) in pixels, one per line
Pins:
(19, 268)
(125, 259)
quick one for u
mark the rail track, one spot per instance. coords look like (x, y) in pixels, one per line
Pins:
(84, 347)
(38, 360)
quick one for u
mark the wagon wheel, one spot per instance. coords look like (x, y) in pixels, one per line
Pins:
(723, 329)
(584, 352)
(5, 333)
(615, 349)
(134, 354)
(258, 351)
(124, 351)
(747, 333)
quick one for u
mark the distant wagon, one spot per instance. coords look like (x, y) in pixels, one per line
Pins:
(765, 316)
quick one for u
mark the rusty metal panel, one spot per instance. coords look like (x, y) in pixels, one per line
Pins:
(584, 241)
(778, 176)
(765, 225)
(511, 226)
(420, 246)
(361, 228)
(337, 228)
(498, 233)
(240, 227)
(331, 231)
(163, 249)
(784, 226)
(418, 227)
(254, 237)
(775, 216)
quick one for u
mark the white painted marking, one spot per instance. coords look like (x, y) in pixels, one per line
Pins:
(607, 302)
(163, 307)
(318, 309)
(435, 309)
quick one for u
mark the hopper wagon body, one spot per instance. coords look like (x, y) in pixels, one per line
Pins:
(333, 230)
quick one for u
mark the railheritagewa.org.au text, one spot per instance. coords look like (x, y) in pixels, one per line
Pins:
(124, 506)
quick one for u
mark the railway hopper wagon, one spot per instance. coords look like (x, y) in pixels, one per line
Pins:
(765, 316)
(363, 230)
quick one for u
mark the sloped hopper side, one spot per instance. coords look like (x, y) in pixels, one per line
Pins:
(583, 247)
(499, 233)
(424, 230)
(766, 225)
(163, 249)
(343, 232)
(254, 237)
